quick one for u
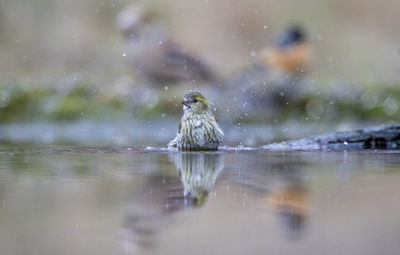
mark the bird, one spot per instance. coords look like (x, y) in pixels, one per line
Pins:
(274, 79)
(290, 53)
(198, 172)
(155, 56)
(198, 129)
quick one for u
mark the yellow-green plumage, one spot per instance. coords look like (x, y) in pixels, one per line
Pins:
(198, 129)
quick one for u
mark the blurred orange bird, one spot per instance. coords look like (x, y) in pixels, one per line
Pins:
(290, 53)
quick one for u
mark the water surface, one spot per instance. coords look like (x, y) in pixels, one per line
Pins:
(79, 200)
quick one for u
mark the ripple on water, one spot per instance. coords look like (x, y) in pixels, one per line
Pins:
(221, 148)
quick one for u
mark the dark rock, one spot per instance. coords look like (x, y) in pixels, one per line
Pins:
(382, 137)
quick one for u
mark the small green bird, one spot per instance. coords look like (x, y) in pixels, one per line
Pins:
(198, 129)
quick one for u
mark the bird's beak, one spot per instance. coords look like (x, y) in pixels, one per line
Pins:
(185, 103)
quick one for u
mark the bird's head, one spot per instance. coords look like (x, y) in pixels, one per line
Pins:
(132, 20)
(293, 35)
(196, 197)
(195, 102)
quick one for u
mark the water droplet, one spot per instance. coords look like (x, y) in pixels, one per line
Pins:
(124, 54)
(390, 106)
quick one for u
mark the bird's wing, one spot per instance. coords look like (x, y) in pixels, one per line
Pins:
(180, 126)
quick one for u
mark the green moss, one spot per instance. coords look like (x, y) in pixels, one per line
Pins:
(20, 102)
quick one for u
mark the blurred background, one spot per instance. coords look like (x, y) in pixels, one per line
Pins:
(68, 71)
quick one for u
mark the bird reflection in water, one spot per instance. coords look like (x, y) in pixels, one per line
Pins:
(151, 205)
(282, 191)
(198, 172)
(291, 206)
(165, 194)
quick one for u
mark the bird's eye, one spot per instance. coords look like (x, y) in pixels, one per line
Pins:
(195, 101)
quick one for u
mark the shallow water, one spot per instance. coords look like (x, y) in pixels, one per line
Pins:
(77, 200)
(158, 132)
